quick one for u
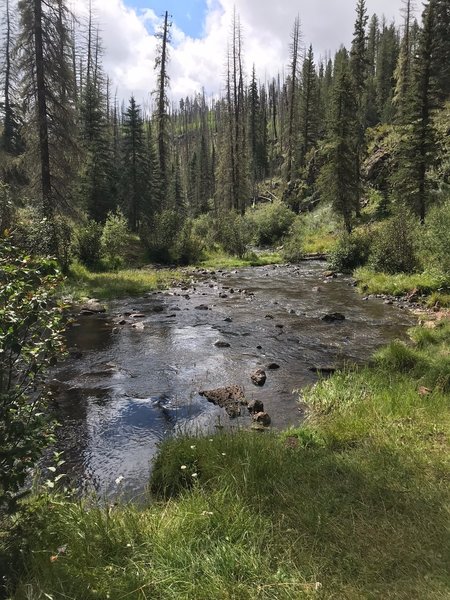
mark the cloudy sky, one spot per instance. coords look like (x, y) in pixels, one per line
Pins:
(199, 37)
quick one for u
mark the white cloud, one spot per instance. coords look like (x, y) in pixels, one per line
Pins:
(200, 63)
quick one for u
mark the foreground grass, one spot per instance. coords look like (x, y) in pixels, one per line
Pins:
(431, 285)
(117, 284)
(352, 505)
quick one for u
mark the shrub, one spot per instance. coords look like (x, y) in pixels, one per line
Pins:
(30, 341)
(188, 247)
(436, 241)
(270, 223)
(160, 236)
(394, 248)
(351, 251)
(88, 243)
(293, 245)
(233, 233)
(115, 238)
(6, 208)
(205, 227)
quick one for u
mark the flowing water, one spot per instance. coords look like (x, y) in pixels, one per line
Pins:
(127, 386)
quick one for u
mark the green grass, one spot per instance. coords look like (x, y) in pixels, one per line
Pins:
(117, 284)
(372, 282)
(217, 260)
(353, 505)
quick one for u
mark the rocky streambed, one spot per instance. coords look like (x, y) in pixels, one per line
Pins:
(155, 366)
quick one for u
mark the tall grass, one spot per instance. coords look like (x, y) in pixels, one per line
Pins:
(117, 284)
(353, 504)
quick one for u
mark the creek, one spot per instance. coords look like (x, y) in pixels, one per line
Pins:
(134, 373)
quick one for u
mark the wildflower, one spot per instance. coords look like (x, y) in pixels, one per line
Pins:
(192, 447)
(183, 467)
(224, 453)
(206, 513)
(194, 475)
(119, 479)
(53, 558)
(211, 440)
(317, 586)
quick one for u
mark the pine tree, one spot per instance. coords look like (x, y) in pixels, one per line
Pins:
(134, 163)
(257, 129)
(162, 102)
(43, 48)
(10, 139)
(338, 179)
(387, 59)
(308, 108)
(417, 147)
(294, 71)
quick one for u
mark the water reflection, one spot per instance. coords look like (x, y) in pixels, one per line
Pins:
(125, 388)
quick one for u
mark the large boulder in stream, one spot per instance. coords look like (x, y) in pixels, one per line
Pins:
(230, 398)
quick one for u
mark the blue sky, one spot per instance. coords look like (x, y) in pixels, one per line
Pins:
(187, 14)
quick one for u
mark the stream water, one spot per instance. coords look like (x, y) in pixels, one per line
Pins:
(130, 381)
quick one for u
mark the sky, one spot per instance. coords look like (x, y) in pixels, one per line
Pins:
(200, 30)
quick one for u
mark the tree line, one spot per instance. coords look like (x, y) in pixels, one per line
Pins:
(376, 113)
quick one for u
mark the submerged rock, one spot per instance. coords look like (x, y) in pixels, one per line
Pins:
(221, 344)
(273, 366)
(332, 317)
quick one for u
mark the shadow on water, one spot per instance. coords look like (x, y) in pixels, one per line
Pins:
(131, 381)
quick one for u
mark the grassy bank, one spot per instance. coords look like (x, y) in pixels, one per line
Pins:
(352, 505)
(221, 260)
(117, 284)
(434, 287)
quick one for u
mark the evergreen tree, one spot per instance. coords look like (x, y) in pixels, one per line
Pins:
(294, 72)
(135, 172)
(43, 47)
(162, 103)
(338, 179)
(387, 59)
(417, 148)
(308, 107)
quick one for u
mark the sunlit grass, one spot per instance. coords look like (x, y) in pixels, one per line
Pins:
(117, 284)
(217, 260)
(372, 282)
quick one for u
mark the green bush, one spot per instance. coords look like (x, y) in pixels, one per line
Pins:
(293, 244)
(30, 341)
(6, 208)
(270, 223)
(159, 236)
(188, 247)
(233, 233)
(351, 251)
(395, 244)
(436, 241)
(115, 238)
(88, 243)
(204, 227)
